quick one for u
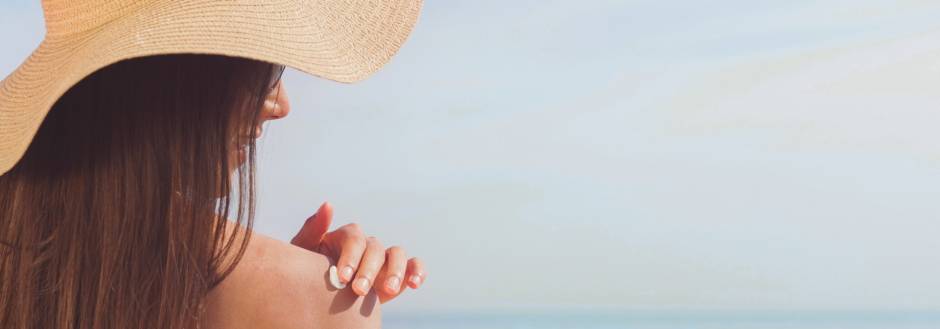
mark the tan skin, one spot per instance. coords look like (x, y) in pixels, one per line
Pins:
(280, 285)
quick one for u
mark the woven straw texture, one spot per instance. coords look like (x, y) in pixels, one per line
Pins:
(340, 40)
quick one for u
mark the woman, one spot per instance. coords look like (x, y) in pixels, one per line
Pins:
(125, 139)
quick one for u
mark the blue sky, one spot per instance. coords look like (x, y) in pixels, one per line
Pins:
(629, 154)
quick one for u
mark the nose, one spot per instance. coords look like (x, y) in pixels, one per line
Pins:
(277, 105)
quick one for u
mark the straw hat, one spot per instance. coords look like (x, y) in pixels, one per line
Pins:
(340, 40)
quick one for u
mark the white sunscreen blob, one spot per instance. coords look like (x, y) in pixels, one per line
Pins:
(334, 278)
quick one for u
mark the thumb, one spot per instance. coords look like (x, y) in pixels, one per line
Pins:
(314, 228)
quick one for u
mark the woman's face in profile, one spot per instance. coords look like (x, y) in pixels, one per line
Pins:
(276, 106)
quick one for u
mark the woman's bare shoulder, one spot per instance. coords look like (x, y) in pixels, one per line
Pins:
(279, 285)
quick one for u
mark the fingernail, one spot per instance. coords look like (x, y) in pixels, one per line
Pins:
(321, 209)
(416, 280)
(393, 283)
(363, 284)
(347, 273)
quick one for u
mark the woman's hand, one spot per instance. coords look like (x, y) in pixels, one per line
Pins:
(361, 259)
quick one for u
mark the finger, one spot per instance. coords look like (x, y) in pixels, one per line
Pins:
(385, 297)
(393, 273)
(415, 274)
(372, 261)
(314, 228)
(415, 271)
(352, 244)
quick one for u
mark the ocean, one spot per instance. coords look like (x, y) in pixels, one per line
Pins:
(657, 320)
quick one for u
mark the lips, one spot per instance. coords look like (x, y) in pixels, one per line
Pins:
(243, 147)
(256, 135)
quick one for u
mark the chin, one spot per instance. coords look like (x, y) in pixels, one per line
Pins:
(242, 156)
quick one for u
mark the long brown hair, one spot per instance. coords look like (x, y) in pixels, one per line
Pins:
(116, 215)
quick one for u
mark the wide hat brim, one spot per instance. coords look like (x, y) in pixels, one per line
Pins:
(344, 41)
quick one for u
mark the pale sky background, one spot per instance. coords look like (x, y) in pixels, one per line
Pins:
(664, 155)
